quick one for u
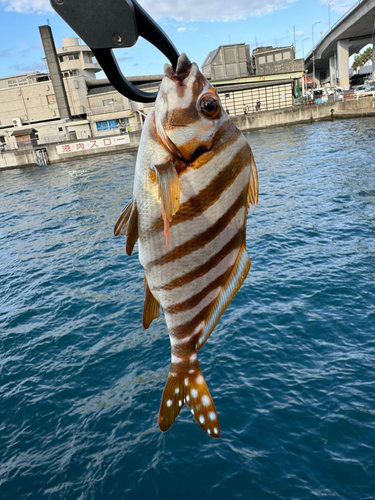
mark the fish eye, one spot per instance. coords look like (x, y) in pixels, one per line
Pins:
(209, 105)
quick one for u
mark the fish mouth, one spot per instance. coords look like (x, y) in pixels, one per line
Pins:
(199, 152)
(182, 69)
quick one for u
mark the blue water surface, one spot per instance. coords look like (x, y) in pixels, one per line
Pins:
(291, 364)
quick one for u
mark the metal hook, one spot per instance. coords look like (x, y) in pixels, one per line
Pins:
(110, 24)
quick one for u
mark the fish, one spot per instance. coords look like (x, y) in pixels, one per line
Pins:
(195, 178)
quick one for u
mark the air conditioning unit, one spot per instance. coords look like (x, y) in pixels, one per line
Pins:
(17, 122)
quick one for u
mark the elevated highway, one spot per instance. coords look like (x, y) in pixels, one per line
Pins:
(329, 58)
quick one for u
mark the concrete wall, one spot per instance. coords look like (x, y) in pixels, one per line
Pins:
(291, 116)
(306, 114)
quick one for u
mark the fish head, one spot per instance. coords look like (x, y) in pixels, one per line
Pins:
(188, 111)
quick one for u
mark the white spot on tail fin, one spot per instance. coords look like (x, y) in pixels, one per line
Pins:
(201, 419)
(206, 400)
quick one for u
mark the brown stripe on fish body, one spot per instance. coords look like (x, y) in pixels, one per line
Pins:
(208, 235)
(199, 203)
(181, 332)
(203, 269)
(162, 274)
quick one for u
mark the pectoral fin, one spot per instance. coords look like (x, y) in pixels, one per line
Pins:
(168, 192)
(127, 224)
(151, 308)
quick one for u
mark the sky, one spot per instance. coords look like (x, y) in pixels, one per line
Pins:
(196, 27)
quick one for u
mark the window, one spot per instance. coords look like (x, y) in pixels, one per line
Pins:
(13, 83)
(262, 60)
(278, 57)
(73, 56)
(109, 102)
(270, 58)
(51, 99)
(109, 124)
(286, 55)
(59, 129)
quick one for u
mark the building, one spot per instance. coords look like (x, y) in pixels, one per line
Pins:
(228, 61)
(272, 61)
(265, 81)
(67, 102)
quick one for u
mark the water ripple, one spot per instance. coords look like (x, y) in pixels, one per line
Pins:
(290, 365)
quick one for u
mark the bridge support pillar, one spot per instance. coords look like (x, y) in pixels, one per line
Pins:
(343, 63)
(332, 70)
(373, 61)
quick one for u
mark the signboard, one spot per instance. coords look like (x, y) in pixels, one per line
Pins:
(95, 143)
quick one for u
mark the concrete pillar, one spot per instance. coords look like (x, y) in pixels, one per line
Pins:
(54, 70)
(373, 61)
(332, 70)
(343, 63)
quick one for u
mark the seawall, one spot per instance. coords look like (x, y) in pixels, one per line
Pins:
(307, 114)
(74, 150)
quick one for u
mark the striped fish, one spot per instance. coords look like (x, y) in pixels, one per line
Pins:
(195, 177)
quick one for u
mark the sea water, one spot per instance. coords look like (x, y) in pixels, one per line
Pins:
(290, 366)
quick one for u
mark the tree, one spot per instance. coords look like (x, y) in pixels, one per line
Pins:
(361, 59)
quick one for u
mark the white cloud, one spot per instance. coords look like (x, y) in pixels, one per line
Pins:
(204, 10)
(182, 10)
(341, 6)
(180, 30)
(27, 6)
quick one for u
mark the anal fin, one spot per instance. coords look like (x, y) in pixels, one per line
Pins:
(168, 192)
(151, 308)
(237, 276)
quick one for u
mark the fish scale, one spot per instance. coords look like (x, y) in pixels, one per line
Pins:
(195, 177)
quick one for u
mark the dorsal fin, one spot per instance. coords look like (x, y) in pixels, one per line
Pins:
(238, 274)
(127, 224)
(151, 308)
(252, 198)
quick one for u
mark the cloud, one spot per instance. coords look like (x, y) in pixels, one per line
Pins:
(27, 6)
(341, 6)
(204, 10)
(5, 52)
(125, 58)
(180, 30)
(29, 68)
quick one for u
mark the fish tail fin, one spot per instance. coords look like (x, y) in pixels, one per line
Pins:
(188, 388)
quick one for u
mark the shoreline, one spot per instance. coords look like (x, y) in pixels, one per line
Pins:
(364, 107)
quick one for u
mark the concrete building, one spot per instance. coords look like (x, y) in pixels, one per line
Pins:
(271, 61)
(263, 81)
(228, 61)
(68, 102)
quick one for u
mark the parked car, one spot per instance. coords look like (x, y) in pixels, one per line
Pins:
(334, 90)
(362, 88)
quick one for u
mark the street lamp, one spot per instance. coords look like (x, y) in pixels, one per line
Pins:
(313, 55)
(312, 32)
(329, 14)
(303, 52)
